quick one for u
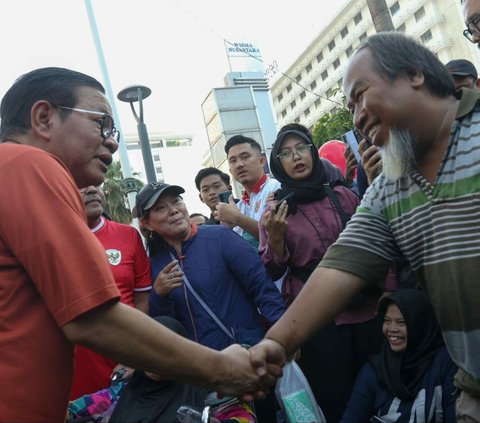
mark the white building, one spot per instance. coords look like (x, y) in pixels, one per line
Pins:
(312, 84)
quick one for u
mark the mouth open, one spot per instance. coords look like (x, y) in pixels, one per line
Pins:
(396, 340)
(105, 159)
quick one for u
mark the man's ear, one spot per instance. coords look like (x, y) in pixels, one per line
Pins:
(263, 160)
(201, 199)
(40, 119)
(477, 84)
(417, 78)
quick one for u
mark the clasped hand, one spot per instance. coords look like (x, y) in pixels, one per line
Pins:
(253, 372)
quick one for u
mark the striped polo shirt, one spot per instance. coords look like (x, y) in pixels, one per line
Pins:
(437, 228)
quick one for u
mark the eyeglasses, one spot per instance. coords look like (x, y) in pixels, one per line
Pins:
(287, 155)
(473, 29)
(107, 125)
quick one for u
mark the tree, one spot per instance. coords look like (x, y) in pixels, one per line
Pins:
(331, 126)
(381, 18)
(116, 194)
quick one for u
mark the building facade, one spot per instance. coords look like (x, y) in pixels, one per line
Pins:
(312, 84)
(244, 106)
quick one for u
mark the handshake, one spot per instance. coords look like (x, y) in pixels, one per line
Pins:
(251, 372)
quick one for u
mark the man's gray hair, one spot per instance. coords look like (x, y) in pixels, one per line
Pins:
(395, 54)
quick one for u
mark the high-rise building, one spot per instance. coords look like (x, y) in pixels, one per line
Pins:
(312, 85)
(243, 106)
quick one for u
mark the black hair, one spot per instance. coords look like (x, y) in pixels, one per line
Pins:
(296, 127)
(58, 86)
(203, 173)
(395, 54)
(242, 139)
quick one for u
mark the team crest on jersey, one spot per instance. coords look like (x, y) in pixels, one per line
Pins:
(257, 206)
(114, 256)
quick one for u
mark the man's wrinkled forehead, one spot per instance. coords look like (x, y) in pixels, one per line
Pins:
(357, 73)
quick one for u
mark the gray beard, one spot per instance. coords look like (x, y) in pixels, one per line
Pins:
(398, 156)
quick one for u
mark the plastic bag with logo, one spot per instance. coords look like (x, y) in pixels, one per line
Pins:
(296, 398)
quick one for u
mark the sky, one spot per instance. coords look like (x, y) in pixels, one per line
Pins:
(175, 47)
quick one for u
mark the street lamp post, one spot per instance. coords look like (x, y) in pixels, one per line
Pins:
(131, 95)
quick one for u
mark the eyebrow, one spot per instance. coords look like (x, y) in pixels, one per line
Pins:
(299, 142)
(473, 18)
(355, 86)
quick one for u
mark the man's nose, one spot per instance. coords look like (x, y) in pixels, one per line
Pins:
(359, 117)
(91, 189)
(111, 143)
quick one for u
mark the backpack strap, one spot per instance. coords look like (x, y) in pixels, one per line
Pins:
(205, 306)
(332, 195)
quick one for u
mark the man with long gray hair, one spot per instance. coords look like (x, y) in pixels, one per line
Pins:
(424, 204)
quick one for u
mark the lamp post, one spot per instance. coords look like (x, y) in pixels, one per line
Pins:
(122, 149)
(131, 95)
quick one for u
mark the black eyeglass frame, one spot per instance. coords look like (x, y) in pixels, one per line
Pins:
(469, 33)
(289, 155)
(104, 132)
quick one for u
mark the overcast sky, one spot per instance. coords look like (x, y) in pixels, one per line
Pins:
(175, 47)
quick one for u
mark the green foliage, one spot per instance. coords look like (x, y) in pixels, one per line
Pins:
(331, 126)
(115, 194)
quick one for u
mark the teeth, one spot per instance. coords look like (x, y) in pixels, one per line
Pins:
(373, 131)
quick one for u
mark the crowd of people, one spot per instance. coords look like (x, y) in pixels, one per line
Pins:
(365, 275)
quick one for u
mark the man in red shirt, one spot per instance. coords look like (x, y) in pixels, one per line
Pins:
(56, 288)
(131, 270)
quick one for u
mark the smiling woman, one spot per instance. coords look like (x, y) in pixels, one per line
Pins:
(207, 277)
(394, 329)
(413, 374)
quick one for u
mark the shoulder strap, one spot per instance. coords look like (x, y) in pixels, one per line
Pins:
(332, 195)
(202, 303)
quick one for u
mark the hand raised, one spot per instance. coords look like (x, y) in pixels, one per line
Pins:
(227, 213)
(169, 278)
(371, 162)
(275, 222)
(351, 166)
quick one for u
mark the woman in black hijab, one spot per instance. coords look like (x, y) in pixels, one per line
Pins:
(293, 239)
(411, 379)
